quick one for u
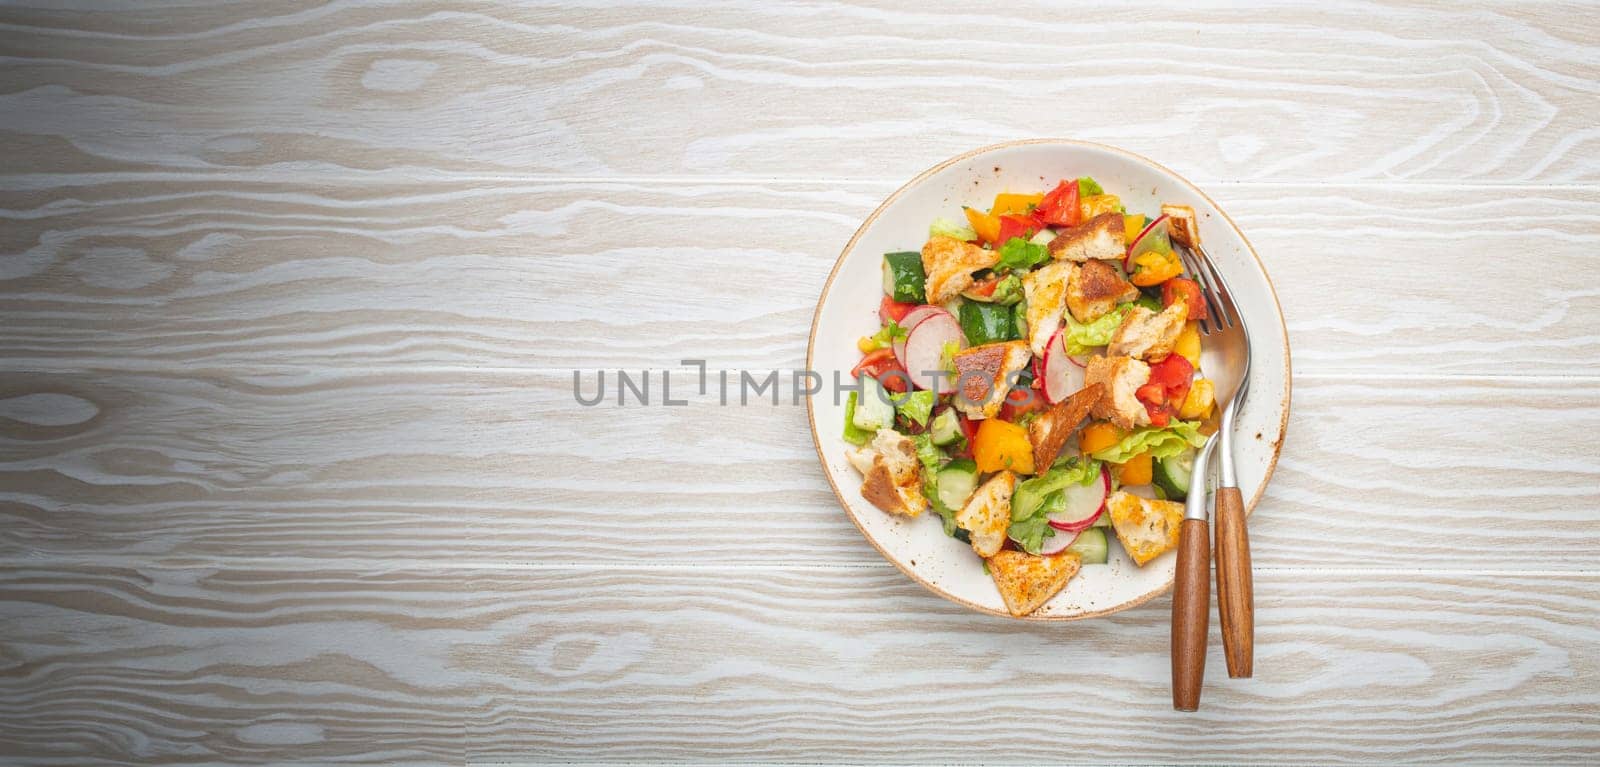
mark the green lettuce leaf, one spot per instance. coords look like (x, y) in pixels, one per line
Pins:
(916, 406)
(949, 228)
(1036, 499)
(887, 335)
(1160, 443)
(1088, 186)
(1081, 337)
(1019, 254)
(932, 458)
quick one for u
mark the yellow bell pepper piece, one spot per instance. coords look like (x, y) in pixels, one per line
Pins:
(1188, 344)
(1002, 445)
(1132, 225)
(1006, 202)
(986, 225)
(1095, 204)
(1154, 268)
(1137, 470)
(1202, 397)
(1099, 435)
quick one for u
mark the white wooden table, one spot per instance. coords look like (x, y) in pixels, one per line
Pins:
(290, 297)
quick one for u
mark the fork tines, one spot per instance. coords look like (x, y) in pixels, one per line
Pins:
(1224, 313)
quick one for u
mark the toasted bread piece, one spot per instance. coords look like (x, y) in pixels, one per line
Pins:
(1148, 335)
(891, 473)
(1046, 291)
(1181, 224)
(949, 264)
(1147, 528)
(1100, 237)
(1122, 377)
(1026, 581)
(983, 375)
(1096, 288)
(1051, 429)
(987, 515)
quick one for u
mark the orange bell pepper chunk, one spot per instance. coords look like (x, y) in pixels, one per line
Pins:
(987, 225)
(1006, 202)
(1001, 445)
(1138, 470)
(1099, 435)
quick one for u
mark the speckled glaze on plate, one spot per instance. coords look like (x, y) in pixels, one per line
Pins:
(847, 310)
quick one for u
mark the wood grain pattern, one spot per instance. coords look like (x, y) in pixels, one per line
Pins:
(772, 663)
(559, 275)
(1332, 91)
(507, 467)
(291, 471)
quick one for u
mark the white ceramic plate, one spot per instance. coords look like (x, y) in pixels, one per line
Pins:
(848, 310)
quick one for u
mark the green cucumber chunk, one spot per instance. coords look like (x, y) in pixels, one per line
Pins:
(853, 434)
(903, 278)
(1091, 546)
(1172, 474)
(957, 481)
(987, 323)
(946, 427)
(873, 409)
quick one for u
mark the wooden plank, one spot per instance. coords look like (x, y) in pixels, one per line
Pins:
(507, 467)
(772, 664)
(1344, 91)
(563, 274)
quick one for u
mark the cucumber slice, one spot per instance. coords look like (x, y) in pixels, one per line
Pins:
(903, 278)
(987, 323)
(1172, 474)
(852, 433)
(946, 427)
(957, 481)
(1091, 546)
(873, 409)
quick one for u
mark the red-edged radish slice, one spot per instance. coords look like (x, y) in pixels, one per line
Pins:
(1152, 237)
(1084, 505)
(1062, 376)
(909, 322)
(925, 351)
(1059, 542)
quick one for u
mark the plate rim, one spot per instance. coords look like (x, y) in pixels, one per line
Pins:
(816, 316)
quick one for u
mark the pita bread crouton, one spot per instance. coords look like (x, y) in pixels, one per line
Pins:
(1026, 581)
(891, 473)
(1049, 431)
(1122, 377)
(1096, 288)
(1181, 224)
(1103, 237)
(1147, 335)
(1046, 292)
(949, 264)
(987, 515)
(1147, 528)
(983, 376)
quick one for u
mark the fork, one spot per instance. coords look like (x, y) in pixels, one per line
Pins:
(1235, 592)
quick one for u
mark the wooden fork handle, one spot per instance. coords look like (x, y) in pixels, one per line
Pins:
(1235, 593)
(1191, 614)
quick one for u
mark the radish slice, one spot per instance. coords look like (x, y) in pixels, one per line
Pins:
(925, 351)
(1059, 542)
(1062, 376)
(1152, 237)
(1084, 505)
(909, 322)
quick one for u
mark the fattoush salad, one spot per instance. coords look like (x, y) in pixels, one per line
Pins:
(1035, 382)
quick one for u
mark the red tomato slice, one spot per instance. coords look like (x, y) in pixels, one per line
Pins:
(1012, 225)
(1060, 206)
(893, 310)
(1172, 372)
(1188, 291)
(1020, 402)
(882, 365)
